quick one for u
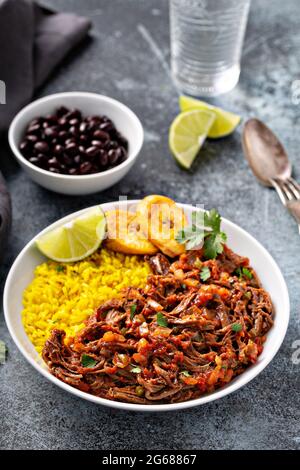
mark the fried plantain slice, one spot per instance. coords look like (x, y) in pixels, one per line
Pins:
(161, 219)
(124, 234)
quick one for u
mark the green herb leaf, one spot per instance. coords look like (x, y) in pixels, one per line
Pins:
(212, 219)
(60, 269)
(3, 351)
(135, 369)
(244, 272)
(185, 373)
(161, 319)
(209, 232)
(205, 273)
(247, 273)
(214, 244)
(236, 327)
(248, 295)
(198, 263)
(183, 286)
(88, 361)
(132, 311)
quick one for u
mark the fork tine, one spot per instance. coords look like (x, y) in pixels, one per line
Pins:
(279, 191)
(294, 187)
(289, 192)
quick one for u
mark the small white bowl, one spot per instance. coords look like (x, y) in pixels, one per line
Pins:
(22, 272)
(124, 119)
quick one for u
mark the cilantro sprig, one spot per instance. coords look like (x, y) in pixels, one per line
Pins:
(185, 373)
(244, 272)
(161, 319)
(135, 369)
(132, 311)
(236, 327)
(88, 361)
(208, 232)
(205, 273)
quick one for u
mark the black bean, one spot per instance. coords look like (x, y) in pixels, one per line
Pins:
(25, 147)
(119, 153)
(71, 149)
(95, 169)
(62, 111)
(51, 132)
(34, 161)
(63, 122)
(68, 161)
(107, 126)
(31, 138)
(113, 144)
(112, 157)
(83, 127)
(71, 140)
(73, 130)
(51, 118)
(34, 122)
(63, 135)
(97, 143)
(58, 150)
(36, 129)
(73, 171)
(73, 114)
(54, 162)
(53, 169)
(81, 149)
(103, 158)
(83, 139)
(42, 147)
(77, 159)
(122, 141)
(101, 135)
(74, 122)
(92, 152)
(85, 168)
(43, 159)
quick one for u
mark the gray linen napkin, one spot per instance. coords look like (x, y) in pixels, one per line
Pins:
(33, 41)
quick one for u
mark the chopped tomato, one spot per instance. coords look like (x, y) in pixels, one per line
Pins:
(139, 358)
(111, 370)
(162, 331)
(121, 360)
(109, 337)
(189, 380)
(142, 344)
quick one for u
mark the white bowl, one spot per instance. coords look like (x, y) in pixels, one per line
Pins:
(90, 104)
(239, 240)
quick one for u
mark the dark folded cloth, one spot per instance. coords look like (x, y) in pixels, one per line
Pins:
(5, 215)
(33, 41)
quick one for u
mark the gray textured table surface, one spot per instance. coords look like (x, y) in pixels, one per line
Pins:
(128, 59)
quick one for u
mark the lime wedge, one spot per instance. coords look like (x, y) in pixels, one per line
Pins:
(225, 122)
(187, 134)
(74, 240)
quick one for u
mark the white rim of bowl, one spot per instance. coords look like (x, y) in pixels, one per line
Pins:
(253, 371)
(118, 104)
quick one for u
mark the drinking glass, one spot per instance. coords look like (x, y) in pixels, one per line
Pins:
(206, 43)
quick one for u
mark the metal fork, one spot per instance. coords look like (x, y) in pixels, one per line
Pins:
(288, 191)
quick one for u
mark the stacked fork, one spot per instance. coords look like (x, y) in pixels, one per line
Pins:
(289, 192)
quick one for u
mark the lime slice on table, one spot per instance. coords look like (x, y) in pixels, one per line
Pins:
(225, 122)
(187, 134)
(76, 239)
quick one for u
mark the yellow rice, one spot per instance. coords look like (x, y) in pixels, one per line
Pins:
(64, 295)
